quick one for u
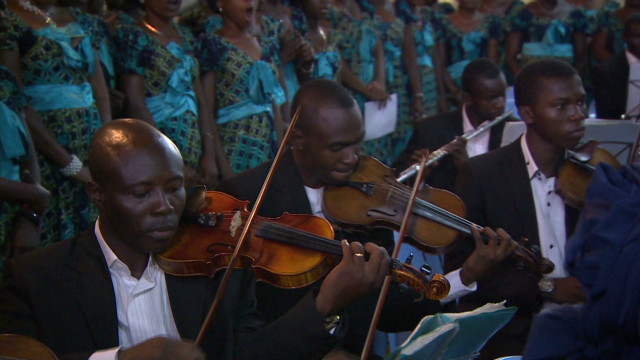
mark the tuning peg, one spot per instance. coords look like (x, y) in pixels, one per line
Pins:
(426, 269)
(409, 259)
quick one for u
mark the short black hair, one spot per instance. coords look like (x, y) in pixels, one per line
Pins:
(317, 93)
(478, 68)
(529, 79)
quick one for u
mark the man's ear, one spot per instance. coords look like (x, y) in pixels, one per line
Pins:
(95, 193)
(526, 114)
(297, 139)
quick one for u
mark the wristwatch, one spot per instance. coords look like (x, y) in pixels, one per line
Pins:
(547, 285)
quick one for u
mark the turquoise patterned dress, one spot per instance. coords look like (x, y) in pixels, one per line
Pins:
(426, 34)
(388, 148)
(546, 38)
(14, 147)
(328, 62)
(461, 48)
(169, 74)
(245, 92)
(55, 75)
(356, 41)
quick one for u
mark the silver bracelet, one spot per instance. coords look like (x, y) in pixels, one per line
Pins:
(73, 168)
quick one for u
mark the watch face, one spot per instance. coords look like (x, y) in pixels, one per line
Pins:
(546, 285)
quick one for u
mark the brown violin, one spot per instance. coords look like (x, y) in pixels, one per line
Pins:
(20, 347)
(290, 251)
(377, 199)
(577, 170)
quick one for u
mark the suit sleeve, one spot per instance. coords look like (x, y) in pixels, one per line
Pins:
(468, 188)
(298, 334)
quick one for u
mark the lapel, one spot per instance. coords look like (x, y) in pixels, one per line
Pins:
(623, 71)
(93, 289)
(518, 188)
(454, 119)
(495, 137)
(190, 298)
(286, 193)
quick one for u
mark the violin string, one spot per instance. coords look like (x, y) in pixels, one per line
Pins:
(315, 242)
(400, 197)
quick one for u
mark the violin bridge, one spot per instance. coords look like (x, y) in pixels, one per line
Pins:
(366, 187)
(236, 223)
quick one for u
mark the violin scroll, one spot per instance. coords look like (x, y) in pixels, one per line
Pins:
(435, 289)
(577, 170)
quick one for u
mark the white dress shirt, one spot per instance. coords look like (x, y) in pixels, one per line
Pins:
(550, 214)
(479, 144)
(142, 305)
(457, 289)
(633, 92)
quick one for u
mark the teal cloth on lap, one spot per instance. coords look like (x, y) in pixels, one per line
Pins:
(46, 97)
(180, 97)
(83, 56)
(13, 140)
(263, 88)
(453, 335)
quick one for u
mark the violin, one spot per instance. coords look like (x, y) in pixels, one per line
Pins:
(20, 347)
(377, 199)
(290, 251)
(576, 171)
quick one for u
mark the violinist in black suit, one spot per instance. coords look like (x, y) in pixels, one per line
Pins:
(484, 94)
(514, 187)
(103, 295)
(325, 150)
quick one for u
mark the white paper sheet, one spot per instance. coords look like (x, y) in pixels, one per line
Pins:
(380, 122)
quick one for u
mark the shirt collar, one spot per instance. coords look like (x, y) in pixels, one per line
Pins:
(467, 127)
(109, 255)
(532, 167)
(632, 59)
(466, 123)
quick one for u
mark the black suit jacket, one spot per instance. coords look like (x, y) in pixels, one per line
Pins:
(63, 296)
(433, 133)
(610, 87)
(496, 189)
(286, 194)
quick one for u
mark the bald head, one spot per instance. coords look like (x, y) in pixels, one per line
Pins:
(123, 136)
(317, 94)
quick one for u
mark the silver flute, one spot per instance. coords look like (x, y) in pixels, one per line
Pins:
(440, 153)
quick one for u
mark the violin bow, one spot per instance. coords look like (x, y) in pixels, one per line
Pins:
(396, 251)
(245, 231)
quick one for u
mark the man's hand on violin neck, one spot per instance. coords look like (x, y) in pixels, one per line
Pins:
(355, 276)
(161, 348)
(486, 256)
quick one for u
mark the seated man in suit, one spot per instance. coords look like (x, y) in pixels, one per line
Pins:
(102, 295)
(616, 82)
(514, 187)
(484, 95)
(603, 255)
(324, 150)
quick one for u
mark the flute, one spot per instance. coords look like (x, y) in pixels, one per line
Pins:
(440, 153)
